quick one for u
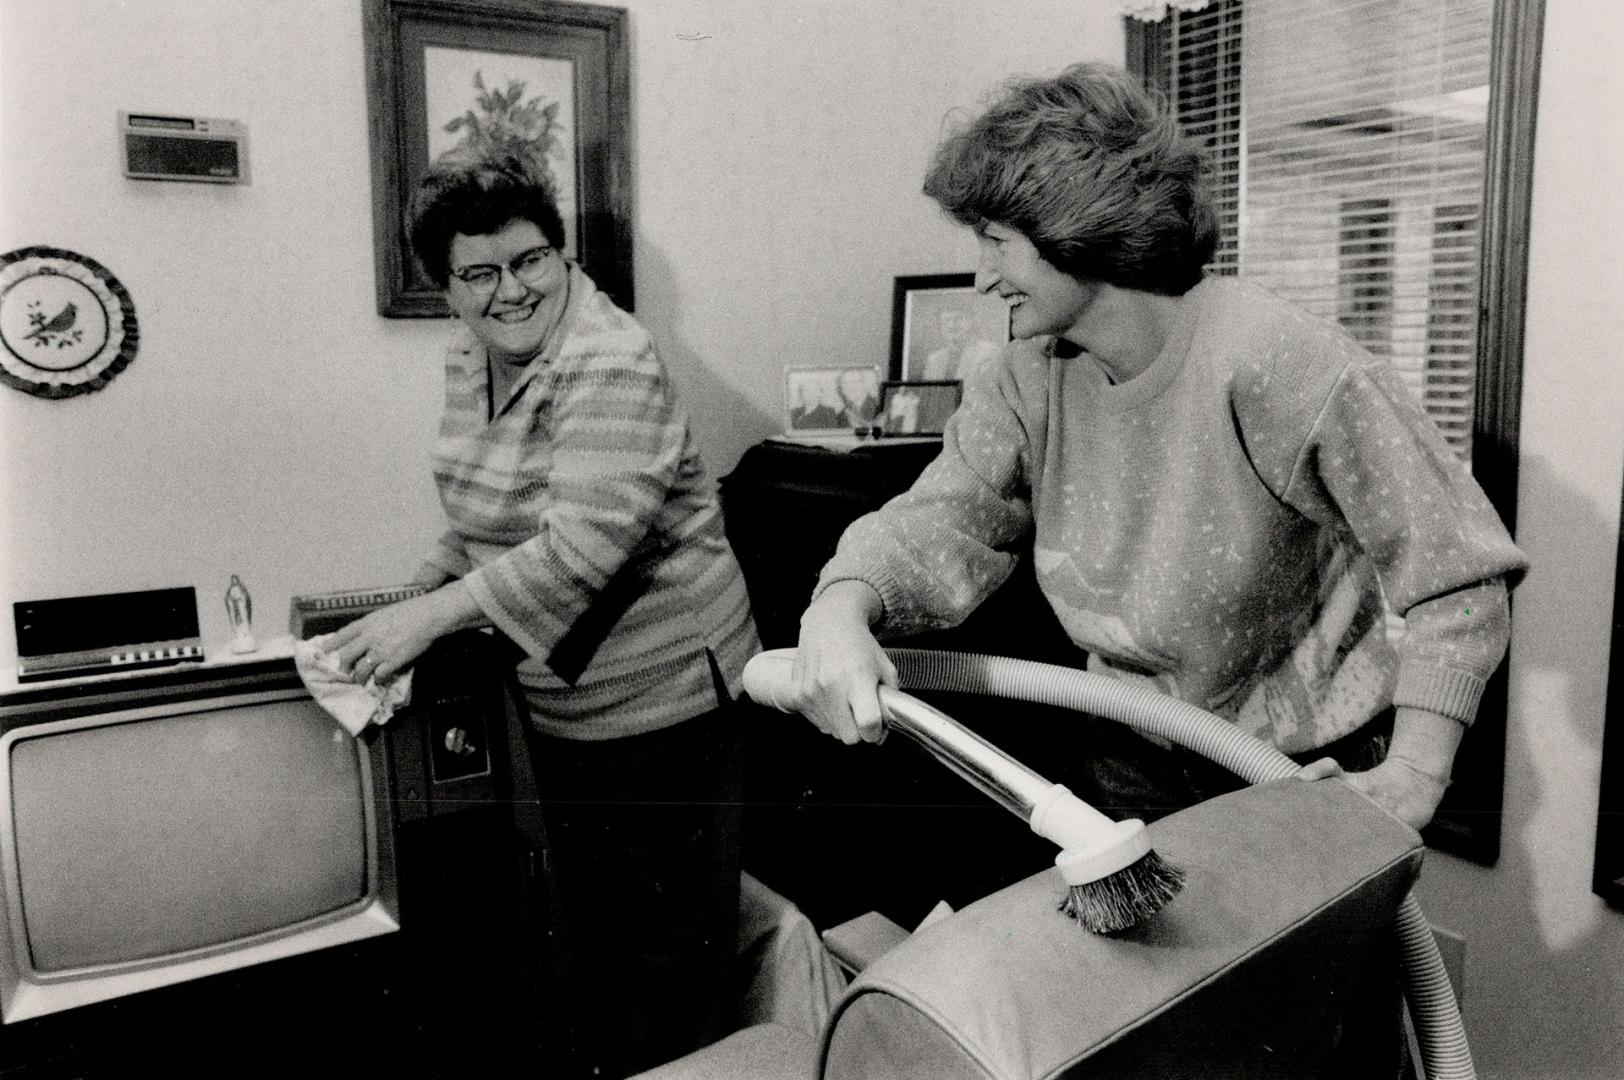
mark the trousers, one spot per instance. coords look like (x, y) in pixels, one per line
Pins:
(643, 838)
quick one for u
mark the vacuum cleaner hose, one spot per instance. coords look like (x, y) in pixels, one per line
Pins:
(1433, 1009)
(1444, 1051)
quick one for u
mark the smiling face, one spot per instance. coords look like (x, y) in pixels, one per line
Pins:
(1042, 300)
(513, 319)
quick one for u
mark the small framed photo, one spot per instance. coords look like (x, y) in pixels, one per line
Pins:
(942, 329)
(918, 408)
(830, 402)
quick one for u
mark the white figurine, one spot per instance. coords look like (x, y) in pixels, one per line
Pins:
(240, 613)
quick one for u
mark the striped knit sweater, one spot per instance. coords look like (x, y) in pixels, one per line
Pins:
(1231, 526)
(584, 526)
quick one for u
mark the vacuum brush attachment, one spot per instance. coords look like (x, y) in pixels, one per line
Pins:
(1115, 879)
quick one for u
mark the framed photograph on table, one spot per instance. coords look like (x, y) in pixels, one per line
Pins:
(942, 329)
(918, 408)
(467, 77)
(830, 402)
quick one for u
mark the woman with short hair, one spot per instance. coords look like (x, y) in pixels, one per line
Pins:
(1222, 496)
(582, 525)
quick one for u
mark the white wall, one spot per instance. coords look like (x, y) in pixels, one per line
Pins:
(273, 425)
(1544, 956)
(779, 160)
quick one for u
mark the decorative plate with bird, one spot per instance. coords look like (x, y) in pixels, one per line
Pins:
(66, 324)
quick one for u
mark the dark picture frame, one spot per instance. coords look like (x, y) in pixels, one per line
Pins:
(917, 408)
(929, 309)
(548, 77)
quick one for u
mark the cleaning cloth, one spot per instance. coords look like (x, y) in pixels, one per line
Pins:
(353, 705)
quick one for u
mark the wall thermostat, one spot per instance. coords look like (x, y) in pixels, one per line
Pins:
(183, 148)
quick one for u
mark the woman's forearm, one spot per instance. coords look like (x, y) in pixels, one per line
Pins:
(1426, 741)
(848, 601)
(453, 608)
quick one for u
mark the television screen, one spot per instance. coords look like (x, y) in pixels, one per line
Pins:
(148, 846)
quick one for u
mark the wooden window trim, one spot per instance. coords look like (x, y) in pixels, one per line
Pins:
(1607, 878)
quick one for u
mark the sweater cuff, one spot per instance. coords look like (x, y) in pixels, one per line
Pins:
(1444, 691)
(881, 584)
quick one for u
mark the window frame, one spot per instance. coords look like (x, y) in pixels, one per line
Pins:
(1468, 821)
(1607, 873)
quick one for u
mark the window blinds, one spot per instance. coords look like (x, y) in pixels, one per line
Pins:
(1348, 138)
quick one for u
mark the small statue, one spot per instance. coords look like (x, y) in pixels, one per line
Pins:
(240, 613)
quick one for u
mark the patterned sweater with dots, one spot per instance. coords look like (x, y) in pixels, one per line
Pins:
(1236, 526)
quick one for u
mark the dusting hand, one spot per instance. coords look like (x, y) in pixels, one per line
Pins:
(384, 643)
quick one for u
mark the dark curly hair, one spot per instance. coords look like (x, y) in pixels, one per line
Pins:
(475, 196)
(1091, 169)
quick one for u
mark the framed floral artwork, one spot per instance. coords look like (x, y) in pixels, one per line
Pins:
(546, 81)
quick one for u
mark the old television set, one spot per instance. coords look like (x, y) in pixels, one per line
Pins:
(199, 868)
(146, 846)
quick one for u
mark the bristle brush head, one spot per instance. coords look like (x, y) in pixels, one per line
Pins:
(1122, 900)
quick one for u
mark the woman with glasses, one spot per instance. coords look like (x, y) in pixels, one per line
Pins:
(582, 525)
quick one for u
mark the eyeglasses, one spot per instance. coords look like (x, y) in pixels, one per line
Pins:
(528, 267)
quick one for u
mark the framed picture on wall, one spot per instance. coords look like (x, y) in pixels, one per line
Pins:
(548, 81)
(942, 329)
(821, 403)
(918, 408)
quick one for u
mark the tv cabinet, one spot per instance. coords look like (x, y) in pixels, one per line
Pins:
(454, 992)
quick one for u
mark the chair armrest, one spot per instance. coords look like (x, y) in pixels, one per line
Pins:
(1290, 886)
(857, 943)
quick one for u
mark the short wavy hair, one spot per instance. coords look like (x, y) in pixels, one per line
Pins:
(475, 196)
(1092, 170)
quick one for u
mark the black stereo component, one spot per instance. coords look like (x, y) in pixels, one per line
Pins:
(94, 635)
(313, 614)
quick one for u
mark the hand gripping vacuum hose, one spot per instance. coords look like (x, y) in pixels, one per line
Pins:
(1444, 1051)
(1115, 879)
